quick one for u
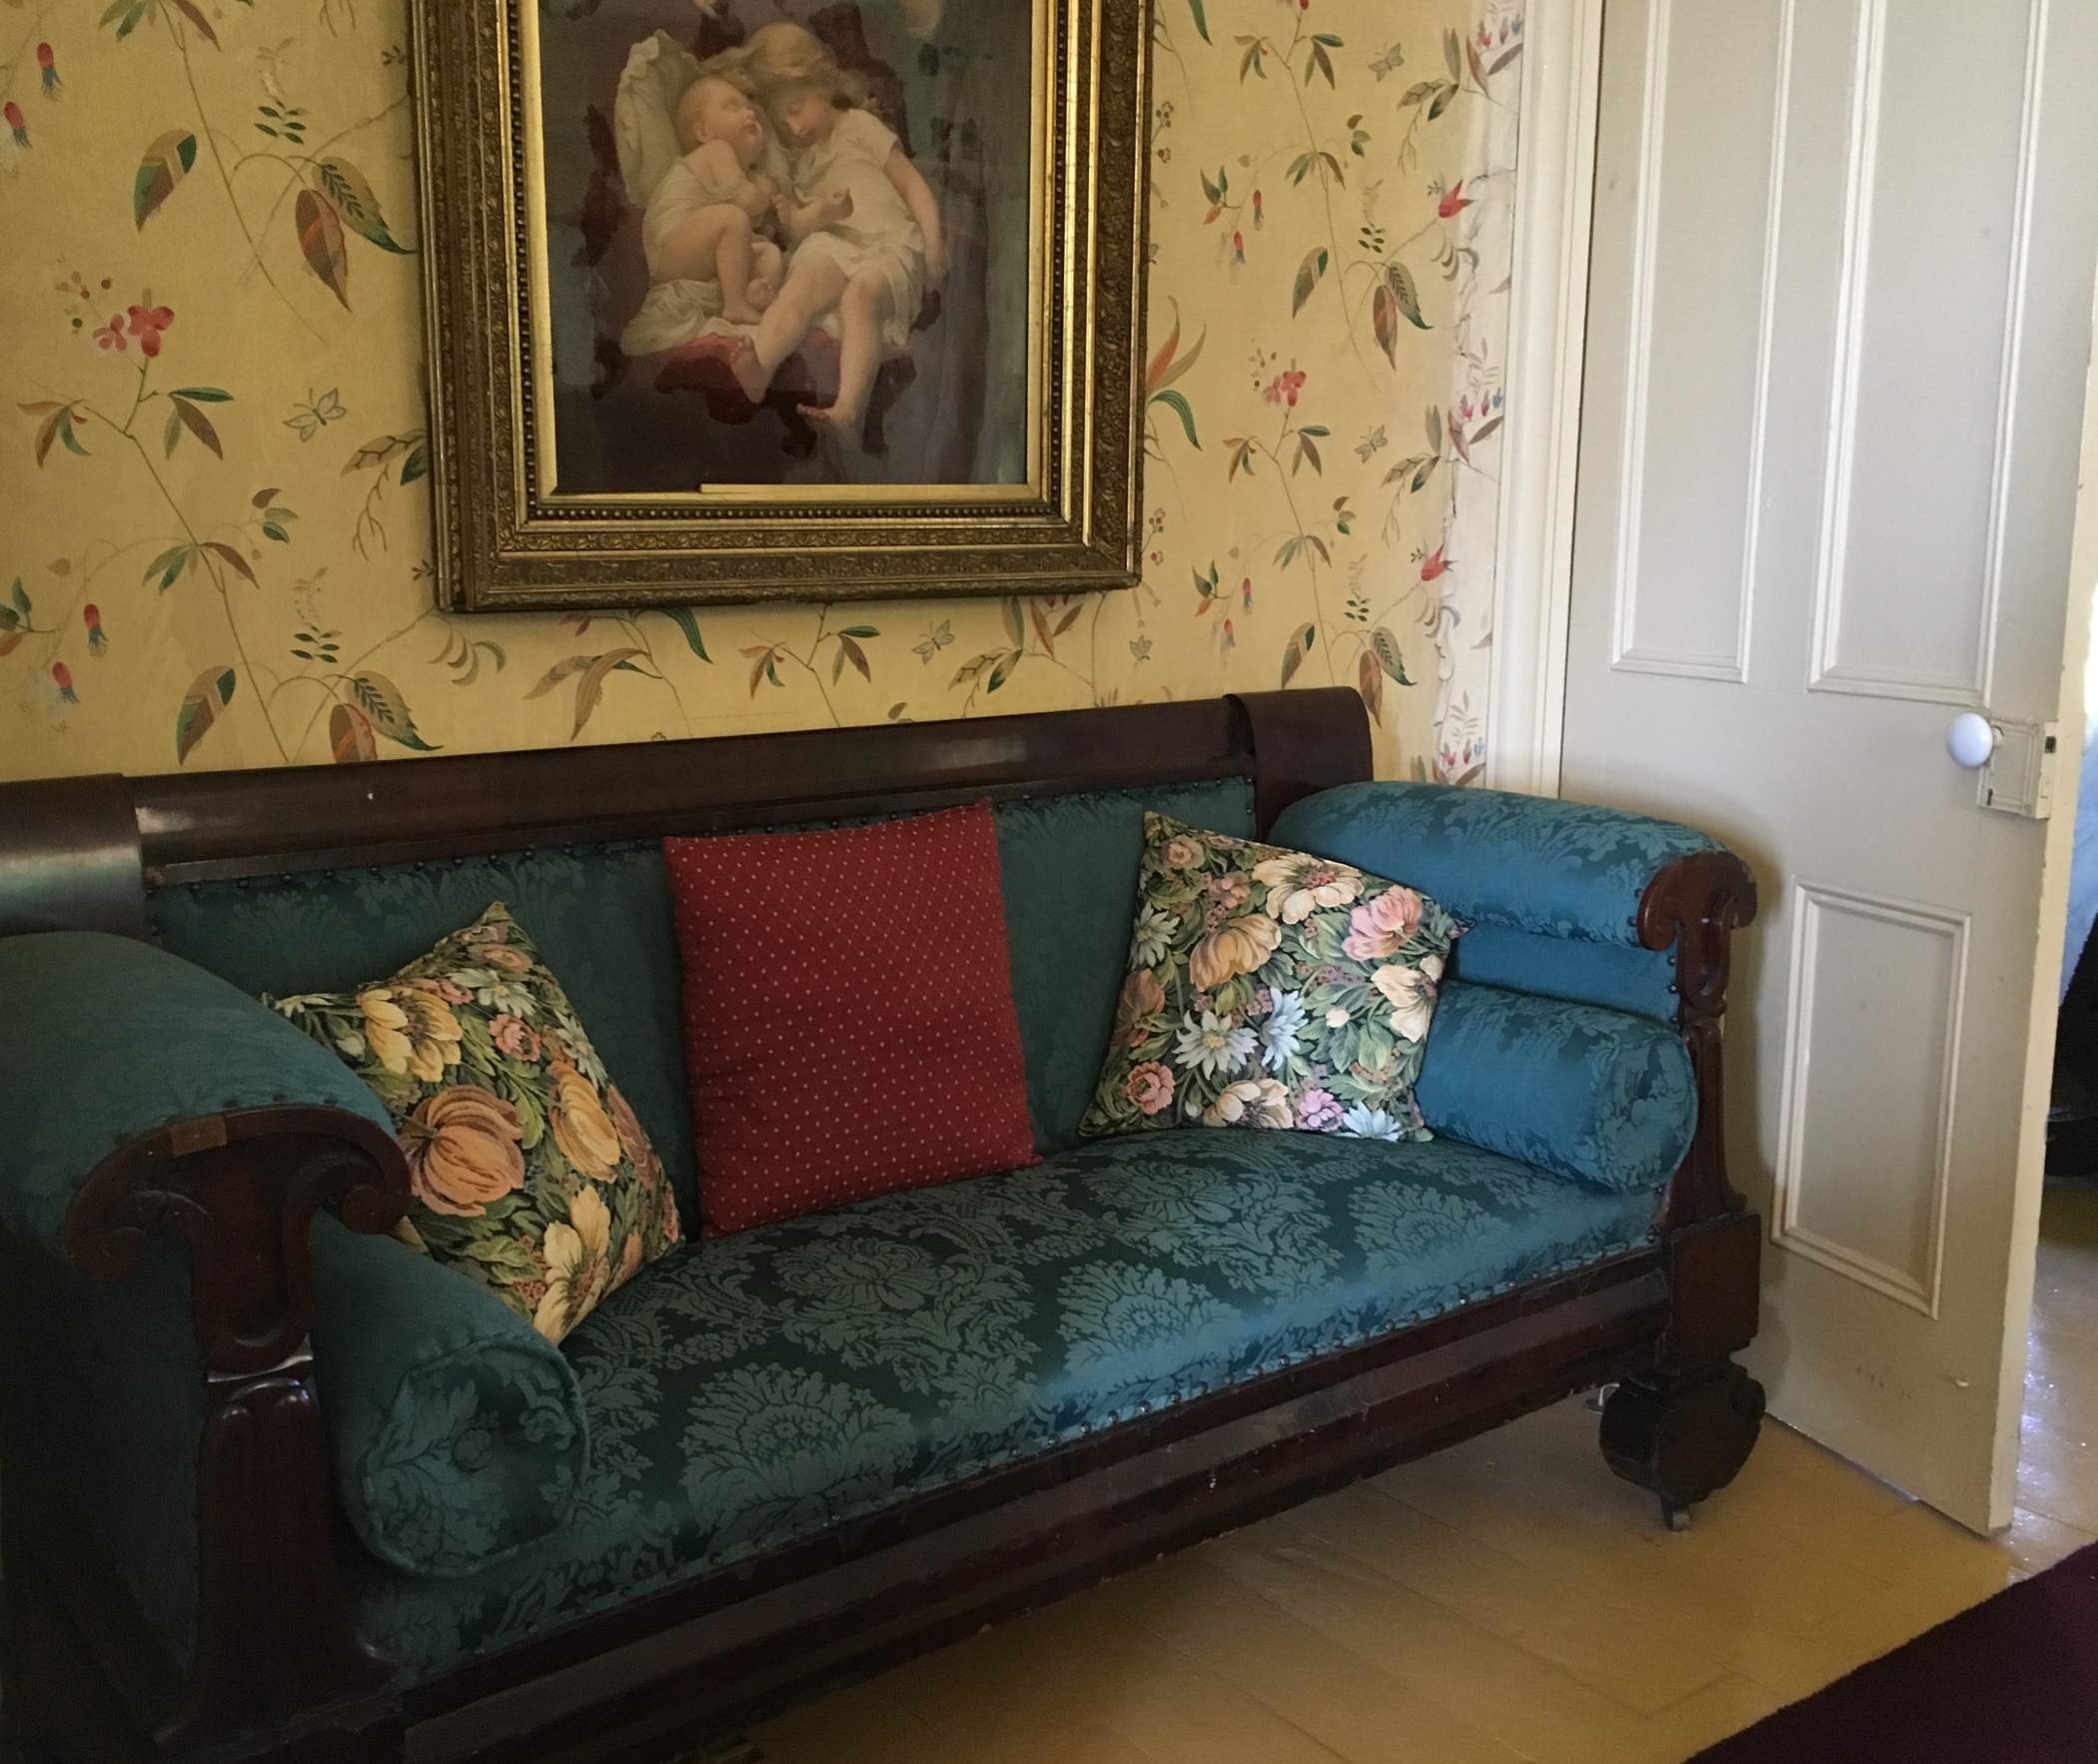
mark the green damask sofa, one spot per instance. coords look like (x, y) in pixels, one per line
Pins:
(278, 1485)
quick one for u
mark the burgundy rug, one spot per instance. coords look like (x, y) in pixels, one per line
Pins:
(2012, 1682)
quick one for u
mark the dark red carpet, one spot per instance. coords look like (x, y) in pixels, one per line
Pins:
(2013, 1681)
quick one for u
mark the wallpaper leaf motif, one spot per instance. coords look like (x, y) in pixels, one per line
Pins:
(209, 334)
(168, 161)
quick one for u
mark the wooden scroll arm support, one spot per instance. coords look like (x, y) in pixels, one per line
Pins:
(273, 1630)
(1696, 905)
(1686, 1428)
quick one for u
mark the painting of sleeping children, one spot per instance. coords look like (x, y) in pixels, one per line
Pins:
(790, 242)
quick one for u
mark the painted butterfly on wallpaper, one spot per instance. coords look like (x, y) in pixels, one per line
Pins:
(936, 641)
(1390, 62)
(316, 413)
(1371, 444)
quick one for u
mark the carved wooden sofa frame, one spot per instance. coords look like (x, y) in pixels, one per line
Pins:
(280, 1670)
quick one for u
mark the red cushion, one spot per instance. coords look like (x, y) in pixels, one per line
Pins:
(848, 1009)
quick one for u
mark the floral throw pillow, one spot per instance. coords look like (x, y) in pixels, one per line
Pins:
(530, 1173)
(1270, 988)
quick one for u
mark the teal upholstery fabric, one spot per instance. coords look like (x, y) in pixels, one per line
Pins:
(751, 1390)
(599, 915)
(105, 1040)
(1070, 879)
(1607, 974)
(458, 1431)
(1561, 869)
(1599, 1096)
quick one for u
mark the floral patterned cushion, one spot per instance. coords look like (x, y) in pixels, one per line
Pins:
(530, 1173)
(1270, 988)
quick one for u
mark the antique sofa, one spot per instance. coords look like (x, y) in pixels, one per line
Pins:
(275, 1486)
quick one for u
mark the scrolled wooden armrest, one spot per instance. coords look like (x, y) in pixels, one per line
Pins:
(242, 1188)
(274, 1629)
(1696, 905)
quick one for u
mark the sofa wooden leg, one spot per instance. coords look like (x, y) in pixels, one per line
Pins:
(1682, 1434)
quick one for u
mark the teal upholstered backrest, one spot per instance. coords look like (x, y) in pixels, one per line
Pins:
(1070, 867)
(602, 917)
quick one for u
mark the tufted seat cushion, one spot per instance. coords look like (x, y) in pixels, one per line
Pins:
(751, 1391)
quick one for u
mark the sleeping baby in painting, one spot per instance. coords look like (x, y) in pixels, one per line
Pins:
(775, 205)
(862, 223)
(703, 223)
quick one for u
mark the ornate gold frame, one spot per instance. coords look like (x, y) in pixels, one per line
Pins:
(504, 544)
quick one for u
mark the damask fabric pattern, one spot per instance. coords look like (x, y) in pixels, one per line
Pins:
(602, 917)
(1269, 988)
(1561, 869)
(754, 1390)
(105, 1040)
(1068, 866)
(457, 1429)
(1606, 974)
(1599, 1096)
(530, 1171)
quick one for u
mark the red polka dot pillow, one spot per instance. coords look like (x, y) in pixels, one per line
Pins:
(849, 1021)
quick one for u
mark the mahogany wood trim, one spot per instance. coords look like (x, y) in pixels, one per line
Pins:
(243, 1189)
(322, 816)
(1306, 742)
(274, 1629)
(216, 826)
(1696, 904)
(1687, 1424)
(69, 857)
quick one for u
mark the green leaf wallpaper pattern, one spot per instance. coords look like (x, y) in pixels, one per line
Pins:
(217, 465)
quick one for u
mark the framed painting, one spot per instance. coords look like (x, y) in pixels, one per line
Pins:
(745, 300)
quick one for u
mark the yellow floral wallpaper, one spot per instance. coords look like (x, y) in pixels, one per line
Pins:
(214, 518)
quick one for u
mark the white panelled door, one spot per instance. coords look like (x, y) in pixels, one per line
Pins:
(1838, 328)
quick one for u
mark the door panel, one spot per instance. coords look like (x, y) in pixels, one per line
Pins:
(1875, 1002)
(1696, 396)
(1927, 337)
(1839, 323)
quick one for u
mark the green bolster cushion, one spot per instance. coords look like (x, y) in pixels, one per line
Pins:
(1531, 863)
(104, 1040)
(458, 1430)
(1601, 1096)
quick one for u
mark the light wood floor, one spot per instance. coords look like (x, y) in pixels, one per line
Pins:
(1508, 1599)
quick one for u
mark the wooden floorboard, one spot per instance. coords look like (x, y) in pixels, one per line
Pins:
(1505, 1600)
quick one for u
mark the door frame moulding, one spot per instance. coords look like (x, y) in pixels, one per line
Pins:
(2044, 1019)
(1547, 355)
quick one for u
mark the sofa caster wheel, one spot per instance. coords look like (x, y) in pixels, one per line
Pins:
(1682, 1435)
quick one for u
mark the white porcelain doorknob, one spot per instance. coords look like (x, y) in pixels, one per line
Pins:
(1972, 739)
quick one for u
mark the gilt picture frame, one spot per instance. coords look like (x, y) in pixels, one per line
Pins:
(733, 300)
